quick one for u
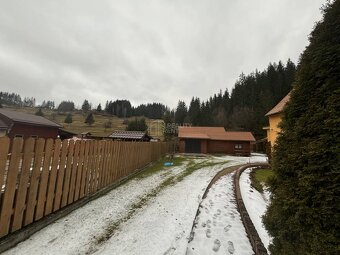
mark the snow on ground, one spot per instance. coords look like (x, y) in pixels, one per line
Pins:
(256, 205)
(218, 227)
(161, 225)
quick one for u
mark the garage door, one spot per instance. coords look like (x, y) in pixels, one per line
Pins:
(193, 146)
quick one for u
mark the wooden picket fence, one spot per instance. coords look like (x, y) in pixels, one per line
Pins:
(39, 177)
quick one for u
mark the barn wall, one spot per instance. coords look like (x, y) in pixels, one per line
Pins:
(182, 146)
(225, 147)
(228, 147)
(31, 130)
(204, 146)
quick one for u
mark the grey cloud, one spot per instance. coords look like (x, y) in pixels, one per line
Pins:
(144, 50)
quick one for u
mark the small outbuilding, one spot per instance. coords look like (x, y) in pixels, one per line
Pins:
(140, 136)
(214, 140)
(19, 124)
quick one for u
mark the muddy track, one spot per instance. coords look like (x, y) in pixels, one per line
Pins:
(253, 236)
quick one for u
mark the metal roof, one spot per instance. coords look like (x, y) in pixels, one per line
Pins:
(214, 133)
(280, 106)
(133, 135)
(16, 116)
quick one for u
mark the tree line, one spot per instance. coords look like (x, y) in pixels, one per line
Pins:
(244, 108)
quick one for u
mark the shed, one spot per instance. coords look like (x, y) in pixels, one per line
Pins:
(19, 124)
(130, 136)
(214, 140)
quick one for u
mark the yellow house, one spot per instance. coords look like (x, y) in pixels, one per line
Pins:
(275, 116)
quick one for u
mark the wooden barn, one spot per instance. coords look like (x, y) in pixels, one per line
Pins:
(19, 124)
(214, 140)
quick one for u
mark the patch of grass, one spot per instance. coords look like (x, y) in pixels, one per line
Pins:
(159, 166)
(260, 177)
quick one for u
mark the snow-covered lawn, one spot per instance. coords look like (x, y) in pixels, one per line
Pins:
(151, 215)
(256, 205)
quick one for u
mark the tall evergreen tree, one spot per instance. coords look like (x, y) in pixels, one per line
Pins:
(39, 112)
(86, 106)
(181, 112)
(304, 215)
(68, 119)
(89, 119)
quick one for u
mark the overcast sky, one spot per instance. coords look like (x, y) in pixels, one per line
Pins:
(144, 50)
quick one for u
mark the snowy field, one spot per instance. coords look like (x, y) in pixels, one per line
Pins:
(139, 217)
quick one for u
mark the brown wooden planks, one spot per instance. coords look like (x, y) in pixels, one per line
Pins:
(34, 184)
(61, 175)
(79, 171)
(67, 177)
(11, 183)
(53, 177)
(100, 171)
(89, 169)
(95, 164)
(44, 180)
(84, 176)
(74, 172)
(4, 147)
(23, 183)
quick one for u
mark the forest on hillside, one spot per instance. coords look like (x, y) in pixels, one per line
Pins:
(243, 109)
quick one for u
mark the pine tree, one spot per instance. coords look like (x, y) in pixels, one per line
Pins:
(304, 215)
(181, 112)
(68, 118)
(39, 113)
(89, 119)
(99, 108)
(86, 106)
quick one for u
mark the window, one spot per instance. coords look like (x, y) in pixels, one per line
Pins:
(238, 146)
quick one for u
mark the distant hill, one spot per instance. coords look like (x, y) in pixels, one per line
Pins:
(99, 128)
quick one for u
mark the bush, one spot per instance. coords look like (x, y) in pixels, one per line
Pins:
(304, 216)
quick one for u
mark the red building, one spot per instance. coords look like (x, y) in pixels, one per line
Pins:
(214, 140)
(19, 124)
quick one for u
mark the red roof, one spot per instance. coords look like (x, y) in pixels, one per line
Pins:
(214, 133)
(280, 106)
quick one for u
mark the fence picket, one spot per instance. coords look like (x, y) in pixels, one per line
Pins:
(34, 184)
(89, 168)
(4, 141)
(67, 178)
(10, 189)
(44, 179)
(23, 184)
(79, 170)
(53, 177)
(61, 176)
(74, 172)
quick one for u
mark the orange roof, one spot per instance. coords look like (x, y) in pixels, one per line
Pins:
(214, 133)
(279, 107)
